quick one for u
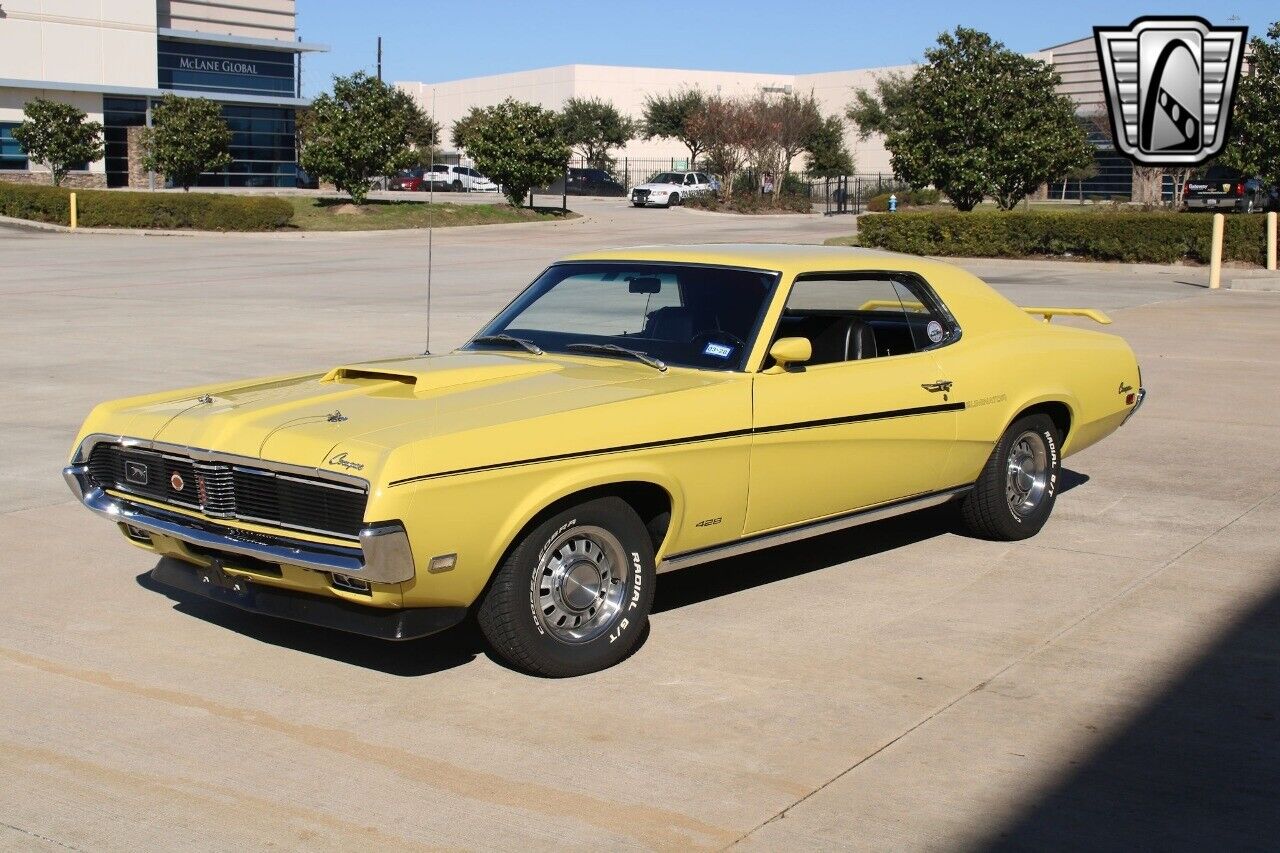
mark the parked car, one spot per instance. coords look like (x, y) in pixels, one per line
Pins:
(587, 182)
(1226, 189)
(668, 188)
(467, 179)
(449, 178)
(631, 412)
(408, 180)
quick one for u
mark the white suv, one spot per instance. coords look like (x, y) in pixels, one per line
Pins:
(667, 188)
(459, 179)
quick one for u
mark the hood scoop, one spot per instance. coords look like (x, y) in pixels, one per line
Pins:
(422, 376)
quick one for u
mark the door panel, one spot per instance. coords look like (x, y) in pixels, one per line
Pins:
(846, 435)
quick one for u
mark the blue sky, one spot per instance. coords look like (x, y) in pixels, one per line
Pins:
(445, 41)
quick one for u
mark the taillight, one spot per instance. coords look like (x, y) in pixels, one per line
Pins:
(1186, 190)
(1240, 188)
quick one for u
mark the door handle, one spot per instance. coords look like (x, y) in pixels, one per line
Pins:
(943, 385)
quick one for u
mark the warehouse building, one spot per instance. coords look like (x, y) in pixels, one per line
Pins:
(115, 58)
(628, 87)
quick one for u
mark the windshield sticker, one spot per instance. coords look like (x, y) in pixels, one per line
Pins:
(718, 350)
(934, 330)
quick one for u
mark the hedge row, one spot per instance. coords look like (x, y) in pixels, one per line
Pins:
(906, 198)
(119, 209)
(1162, 238)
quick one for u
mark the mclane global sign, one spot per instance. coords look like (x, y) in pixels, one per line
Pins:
(1169, 85)
(226, 66)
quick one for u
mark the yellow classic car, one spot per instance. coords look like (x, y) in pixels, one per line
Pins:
(630, 412)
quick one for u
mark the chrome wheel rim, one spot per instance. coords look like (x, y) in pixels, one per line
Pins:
(1028, 475)
(579, 584)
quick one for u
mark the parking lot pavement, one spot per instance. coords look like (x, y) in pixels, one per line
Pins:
(1112, 681)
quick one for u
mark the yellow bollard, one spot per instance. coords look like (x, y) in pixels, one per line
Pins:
(1215, 253)
(73, 210)
(1271, 240)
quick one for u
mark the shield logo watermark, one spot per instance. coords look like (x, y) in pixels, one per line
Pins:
(1169, 84)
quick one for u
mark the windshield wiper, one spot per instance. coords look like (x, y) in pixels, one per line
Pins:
(509, 340)
(614, 349)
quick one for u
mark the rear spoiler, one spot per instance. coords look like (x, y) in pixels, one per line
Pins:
(1049, 313)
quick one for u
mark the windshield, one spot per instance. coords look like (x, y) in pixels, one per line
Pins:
(667, 178)
(686, 315)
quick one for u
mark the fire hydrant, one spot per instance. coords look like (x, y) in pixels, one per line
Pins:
(893, 202)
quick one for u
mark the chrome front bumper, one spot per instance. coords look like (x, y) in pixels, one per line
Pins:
(383, 555)
(1137, 404)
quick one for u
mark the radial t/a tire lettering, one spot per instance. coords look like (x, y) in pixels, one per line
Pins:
(573, 594)
(1016, 491)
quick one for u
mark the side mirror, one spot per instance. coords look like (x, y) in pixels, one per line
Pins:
(789, 352)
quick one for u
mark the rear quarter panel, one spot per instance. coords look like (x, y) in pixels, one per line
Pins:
(1000, 374)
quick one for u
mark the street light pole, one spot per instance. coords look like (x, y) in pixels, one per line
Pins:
(379, 59)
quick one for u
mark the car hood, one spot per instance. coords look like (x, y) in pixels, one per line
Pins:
(471, 407)
(667, 187)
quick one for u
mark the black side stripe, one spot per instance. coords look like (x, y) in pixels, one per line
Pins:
(693, 439)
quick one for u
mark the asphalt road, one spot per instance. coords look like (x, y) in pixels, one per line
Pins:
(1111, 683)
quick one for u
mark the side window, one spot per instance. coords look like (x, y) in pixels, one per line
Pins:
(690, 179)
(856, 316)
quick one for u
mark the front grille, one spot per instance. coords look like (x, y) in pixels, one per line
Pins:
(221, 490)
(640, 195)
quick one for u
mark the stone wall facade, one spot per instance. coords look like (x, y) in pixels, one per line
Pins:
(73, 180)
(136, 151)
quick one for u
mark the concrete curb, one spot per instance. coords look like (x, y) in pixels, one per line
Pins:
(746, 215)
(32, 225)
(1257, 284)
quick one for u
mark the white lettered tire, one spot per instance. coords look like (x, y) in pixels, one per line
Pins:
(573, 594)
(1018, 486)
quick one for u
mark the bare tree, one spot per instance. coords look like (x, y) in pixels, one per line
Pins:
(1148, 181)
(720, 123)
(796, 120)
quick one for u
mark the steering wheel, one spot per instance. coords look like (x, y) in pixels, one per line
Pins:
(709, 334)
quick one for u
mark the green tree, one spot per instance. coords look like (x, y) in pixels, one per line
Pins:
(188, 136)
(984, 120)
(880, 111)
(364, 129)
(57, 136)
(668, 117)
(825, 153)
(518, 145)
(1254, 144)
(462, 129)
(592, 127)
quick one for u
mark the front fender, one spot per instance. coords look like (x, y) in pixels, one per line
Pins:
(479, 516)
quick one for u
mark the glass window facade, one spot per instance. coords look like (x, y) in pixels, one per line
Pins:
(263, 148)
(226, 70)
(12, 157)
(118, 115)
(263, 144)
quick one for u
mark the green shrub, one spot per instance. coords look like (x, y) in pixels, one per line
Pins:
(751, 203)
(118, 209)
(1161, 237)
(906, 198)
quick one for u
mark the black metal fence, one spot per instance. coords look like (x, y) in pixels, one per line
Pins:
(850, 193)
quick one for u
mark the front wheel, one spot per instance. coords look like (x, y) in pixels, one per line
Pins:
(1015, 493)
(573, 594)
(673, 200)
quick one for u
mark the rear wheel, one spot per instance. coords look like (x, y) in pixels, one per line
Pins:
(1015, 493)
(573, 595)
